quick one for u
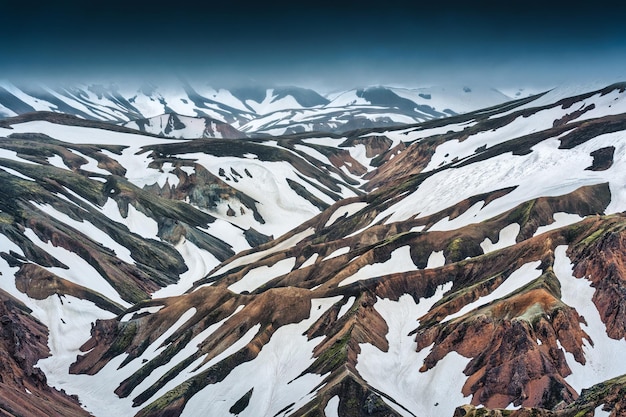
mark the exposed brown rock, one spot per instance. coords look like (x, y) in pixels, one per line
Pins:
(601, 258)
(342, 158)
(607, 395)
(602, 159)
(513, 346)
(39, 283)
(573, 115)
(406, 161)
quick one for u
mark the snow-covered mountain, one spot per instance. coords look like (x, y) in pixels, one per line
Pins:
(253, 110)
(454, 267)
(172, 125)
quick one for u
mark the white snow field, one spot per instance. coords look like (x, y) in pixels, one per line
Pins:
(277, 382)
(506, 238)
(436, 392)
(560, 220)
(400, 261)
(259, 276)
(547, 171)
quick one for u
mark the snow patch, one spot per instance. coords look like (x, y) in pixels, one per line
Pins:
(310, 261)
(152, 309)
(91, 165)
(344, 308)
(347, 211)
(338, 252)
(16, 173)
(560, 220)
(259, 276)
(506, 238)
(599, 412)
(394, 372)
(199, 261)
(12, 155)
(436, 259)
(136, 221)
(229, 233)
(332, 407)
(464, 219)
(400, 261)
(253, 257)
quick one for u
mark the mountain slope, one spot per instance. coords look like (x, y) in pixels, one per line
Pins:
(184, 127)
(475, 260)
(253, 110)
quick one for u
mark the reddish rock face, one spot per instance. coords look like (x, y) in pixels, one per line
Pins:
(514, 346)
(23, 387)
(601, 258)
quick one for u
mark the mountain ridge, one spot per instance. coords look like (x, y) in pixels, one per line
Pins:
(253, 110)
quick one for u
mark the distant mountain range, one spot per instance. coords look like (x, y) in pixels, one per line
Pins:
(251, 111)
(469, 265)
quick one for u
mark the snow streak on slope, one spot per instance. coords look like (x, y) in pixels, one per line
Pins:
(250, 258)
(347, 211)
(199, 261)
(400, 261)
(560, 220)
(395, 372)
(257, 277)
(278, 386)
(507, 237)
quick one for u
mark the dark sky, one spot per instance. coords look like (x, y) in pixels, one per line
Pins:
(320, 44)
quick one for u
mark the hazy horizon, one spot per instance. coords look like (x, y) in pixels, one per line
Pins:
(322, 46)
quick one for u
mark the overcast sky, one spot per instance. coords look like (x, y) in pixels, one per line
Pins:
(319, 44)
